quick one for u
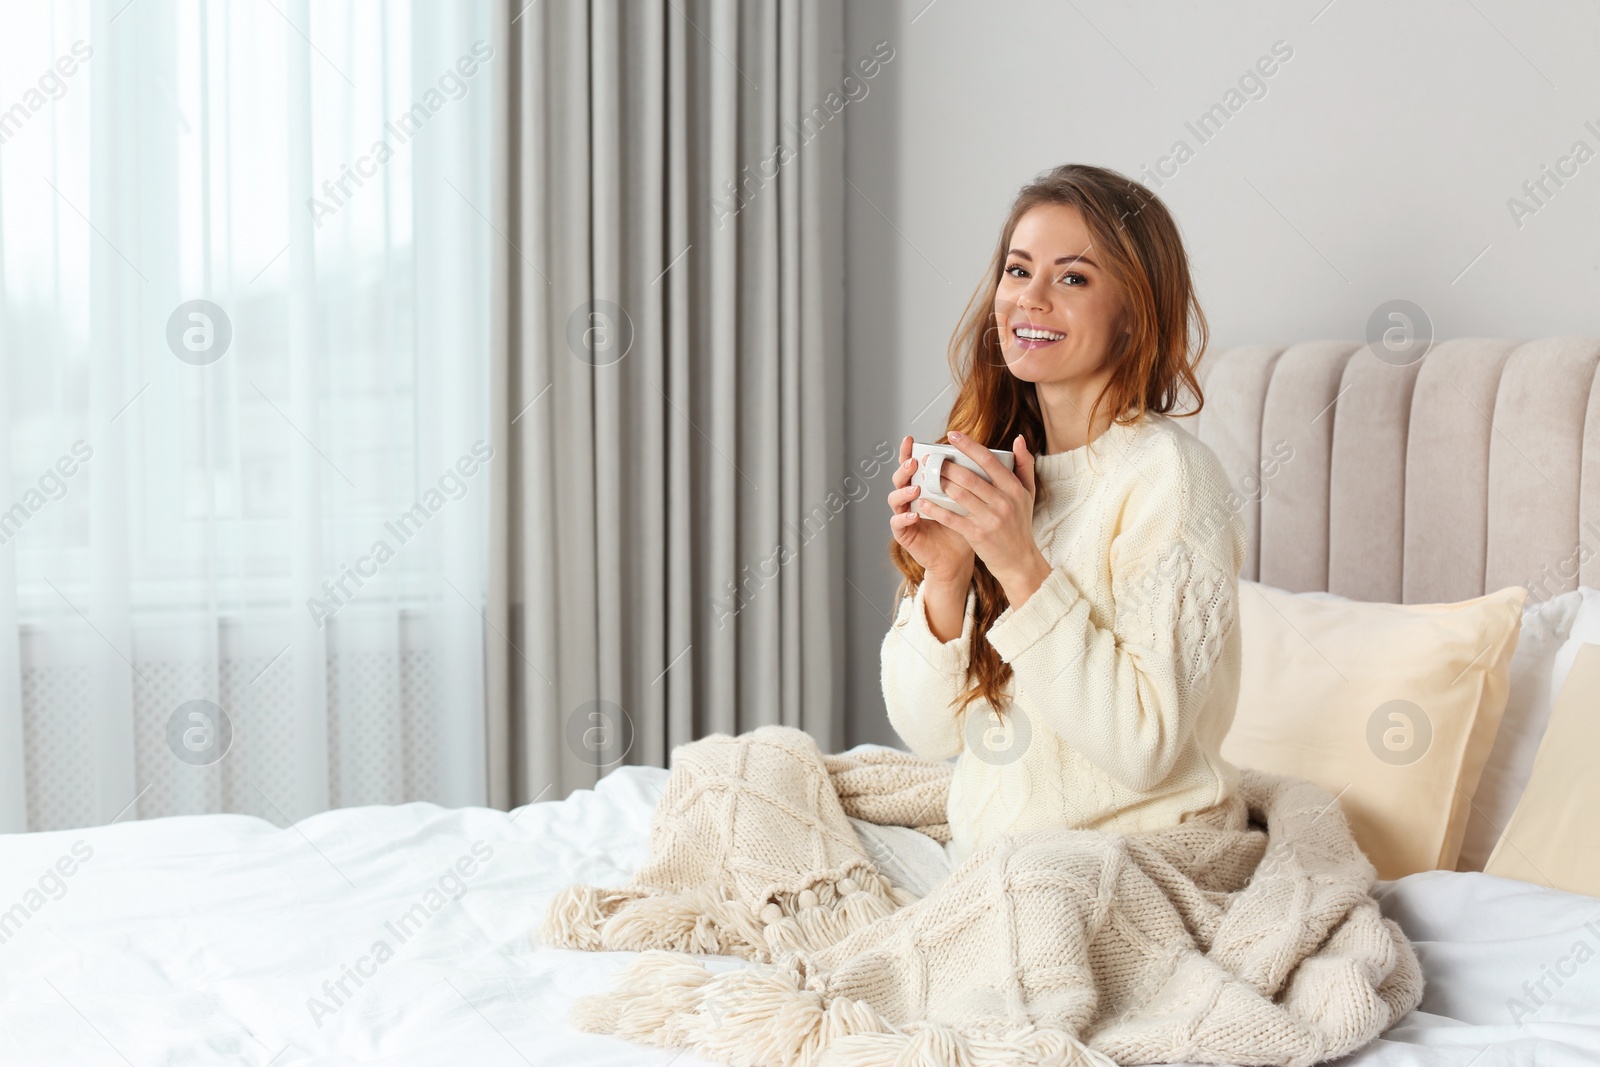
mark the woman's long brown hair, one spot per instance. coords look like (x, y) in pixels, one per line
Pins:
(1143, 254)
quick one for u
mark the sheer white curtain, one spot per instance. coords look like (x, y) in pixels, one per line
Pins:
(244, 444)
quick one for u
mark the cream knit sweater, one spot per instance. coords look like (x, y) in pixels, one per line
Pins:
(1125, 661)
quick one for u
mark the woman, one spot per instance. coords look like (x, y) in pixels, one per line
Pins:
(1074, 638)
(1086, 689)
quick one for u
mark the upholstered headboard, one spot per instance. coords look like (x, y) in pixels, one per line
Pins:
(1471, 469)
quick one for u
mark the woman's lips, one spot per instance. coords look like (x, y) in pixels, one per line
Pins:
(1041, 336)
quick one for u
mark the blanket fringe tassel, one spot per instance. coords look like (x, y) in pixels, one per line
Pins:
(698, 920)
(766, 1015)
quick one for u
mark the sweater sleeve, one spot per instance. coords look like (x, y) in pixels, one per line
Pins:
(1126, 696)
(923, 677)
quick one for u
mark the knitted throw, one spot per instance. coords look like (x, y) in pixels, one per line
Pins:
(1196, 943)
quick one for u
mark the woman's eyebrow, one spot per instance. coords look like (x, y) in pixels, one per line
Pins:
(1020, 254)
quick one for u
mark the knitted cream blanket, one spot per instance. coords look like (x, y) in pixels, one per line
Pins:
(1197, 943)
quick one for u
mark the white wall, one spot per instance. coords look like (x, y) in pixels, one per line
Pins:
(1377, 165)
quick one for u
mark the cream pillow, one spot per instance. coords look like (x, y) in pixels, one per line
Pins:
(1584, 630)
(1393, 708)
(1552, 629)
(1553, 838)
(1549, 627)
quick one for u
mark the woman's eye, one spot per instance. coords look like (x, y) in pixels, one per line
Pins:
(1072, 278)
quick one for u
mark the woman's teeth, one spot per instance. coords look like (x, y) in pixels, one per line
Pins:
(1034, 335)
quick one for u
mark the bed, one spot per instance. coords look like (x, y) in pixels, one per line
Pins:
(401, 935)
(202, 939)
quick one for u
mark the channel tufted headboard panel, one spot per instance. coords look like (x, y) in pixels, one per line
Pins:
(1471, 469)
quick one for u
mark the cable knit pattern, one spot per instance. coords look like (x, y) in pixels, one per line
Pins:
(1247, 934)
(1125, 660)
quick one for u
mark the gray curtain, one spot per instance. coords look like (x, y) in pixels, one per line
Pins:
(667, 384)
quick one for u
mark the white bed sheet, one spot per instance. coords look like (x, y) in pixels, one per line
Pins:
(201, 940)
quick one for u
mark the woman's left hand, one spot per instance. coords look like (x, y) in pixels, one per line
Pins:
(999, 520)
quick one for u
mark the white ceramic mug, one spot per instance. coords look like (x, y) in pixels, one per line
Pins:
(931, 457)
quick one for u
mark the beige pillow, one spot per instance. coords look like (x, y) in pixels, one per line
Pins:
(1549, 627)
(1391, 707)
(1553, 838)
(1552, 629)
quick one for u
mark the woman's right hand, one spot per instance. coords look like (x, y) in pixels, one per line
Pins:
(944, 554)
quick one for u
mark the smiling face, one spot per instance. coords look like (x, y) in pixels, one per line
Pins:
(1059, 314)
